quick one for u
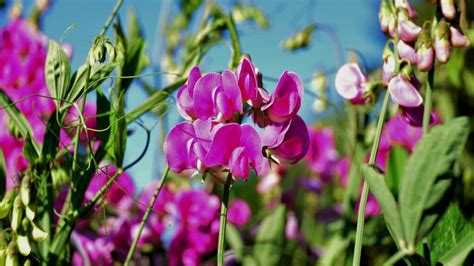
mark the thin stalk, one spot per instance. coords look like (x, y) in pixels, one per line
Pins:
(223, 223)
(365, 189)
(111, 17)
(396, 257)
(145, 217)
(235, 41)
(428, 101)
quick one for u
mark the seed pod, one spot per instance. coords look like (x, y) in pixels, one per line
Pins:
(3, 255)
(27, 262)
(25, 190)
(17, 213)
(23, 244)
(38, 234)
(30, 212)
(12, 258)
(6, 203)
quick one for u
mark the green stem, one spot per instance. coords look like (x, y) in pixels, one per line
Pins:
(111, 17)
(428, 101)
(145, 217)
(396, 257)
(365, 189)
(223, 223)
(235, 41)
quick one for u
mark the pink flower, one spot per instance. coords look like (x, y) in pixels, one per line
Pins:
(350, 82)
(247, 80)
(387, 19)
(414, 115)
(425, 58)
(403, 92)
(286, 100)
(448, 9)
(291, 228)
(98, 250)
(406, 5)
(388, 68)
(288, 141)
(322, 155)
(407, 30)
(239, 213)
(407, 52)
(457, 38)
(218, 96)
(185, 96)
(442, 49)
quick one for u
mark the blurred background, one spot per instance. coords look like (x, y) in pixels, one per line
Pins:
(346, 25)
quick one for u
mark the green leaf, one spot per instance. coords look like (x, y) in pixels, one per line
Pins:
(429, 161)
(57, 71)
(99, 72)
(232, 237)
(387, 202)
(119, 127)
(397, 158)
(458, 253)
(300, 39)
(51, 138)
(29, 150)
(270, 239)
(336, 248)
(3, 174)
(80, 79)
(17, 117)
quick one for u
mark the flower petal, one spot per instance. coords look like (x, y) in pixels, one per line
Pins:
(403, 92)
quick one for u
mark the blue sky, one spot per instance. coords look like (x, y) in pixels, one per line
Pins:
(354, 21)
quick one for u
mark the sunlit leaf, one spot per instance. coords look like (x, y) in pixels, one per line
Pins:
(57, 71)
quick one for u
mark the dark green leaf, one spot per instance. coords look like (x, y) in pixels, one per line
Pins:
(270, 239)
(301, 39)
(29, 150)
(118, 141)
(429, 161)
(387, 202)
(57, 71)
(99, 72)
(397, 158)
(3, 174)
(134, 31)
(51, 138)
(80, 80)
(458, 253)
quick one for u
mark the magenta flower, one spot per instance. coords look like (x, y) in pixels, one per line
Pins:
(288, 141)
(218, 96)
(407, 52)
(239, 213)
(351, 82)
(185, 96)
(322, 155)
(72, 121)
(457, 38)
(238, 147)
(403, 92)
(98, 250)
(248, 84)
(286, 100)
(414, 115)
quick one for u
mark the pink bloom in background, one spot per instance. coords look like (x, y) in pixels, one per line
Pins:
(73, 120)
(291, 228)
(288, 141)
(96, 250)
(322, 155)
(351, 83)
(218, 96)
(239, 213)
(185, 96)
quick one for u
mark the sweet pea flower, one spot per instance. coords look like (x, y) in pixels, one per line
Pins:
(406, 5)
(73, 120)
(185, 96)
(448, 9)
(407, 30)
(286, 100)
(388, 68)
(291, 228)
(414, 115)
(247, 80)
(425, 58)
(239, 213)
(457, 38)
(407, 52)
(403, 92)
(97, 250)
(239, 147)
(387, 18)
(218, 96)
(322, 155)
(350, 82)
(288, 141)
(442, 45)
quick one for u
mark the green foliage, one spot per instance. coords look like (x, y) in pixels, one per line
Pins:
(300, 39)
(3, 175)
(232, 237)
(242, 13)
(57, 72)
(270, 239)
(397, 158)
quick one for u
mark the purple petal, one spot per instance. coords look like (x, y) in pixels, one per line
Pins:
(203, 92)
(225, 140)
(178, 147)
(247, 80)
(295, 144)
(286, 100)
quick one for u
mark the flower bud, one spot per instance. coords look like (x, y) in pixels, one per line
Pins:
(23, 245)
(12, 258)
(42, 5)
(403, 92)
(424, 52)
(407, 30)
(387, 18)
(404, 4)
(441, 42)
(30, 212)
(38, 234)
(388, 68)
(448, 9)
(17, 213)
(98, 51)
(457, 38)
(350, 82)
(319, 83)
(25, 190)
(407, 52)
(6, 203)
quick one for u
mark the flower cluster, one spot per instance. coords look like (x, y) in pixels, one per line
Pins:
(214, 138)
(184, 222)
